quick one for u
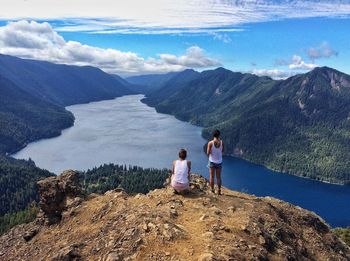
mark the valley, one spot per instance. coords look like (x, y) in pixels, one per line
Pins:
(152, 140)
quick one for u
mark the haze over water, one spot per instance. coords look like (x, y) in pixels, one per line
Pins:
(126, 131)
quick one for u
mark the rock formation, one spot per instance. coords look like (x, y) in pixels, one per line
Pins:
(57, 194)
(163, 226)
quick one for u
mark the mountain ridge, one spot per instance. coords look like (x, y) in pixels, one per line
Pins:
(299, 125)
(60, 83)
(39, 90)
(25, 118)
(163, 226)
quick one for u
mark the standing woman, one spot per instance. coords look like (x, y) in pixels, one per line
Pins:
(214, 150)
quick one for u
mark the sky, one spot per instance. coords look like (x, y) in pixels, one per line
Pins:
(264, 37)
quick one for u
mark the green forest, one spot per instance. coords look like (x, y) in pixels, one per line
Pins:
(10, 220)
(343, 233)
(25, 118)
(300, 125)
(18, 191)
(132, 179)
(18, 184)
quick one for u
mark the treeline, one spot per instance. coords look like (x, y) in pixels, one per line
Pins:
(132, 179)
(18, 190)
(18, 184)
(10, 220)
(317, 151)
(300, 125)
(25, 117)
(343, 233)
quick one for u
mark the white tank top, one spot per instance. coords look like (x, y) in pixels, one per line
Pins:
(181, 171)
(216, 153)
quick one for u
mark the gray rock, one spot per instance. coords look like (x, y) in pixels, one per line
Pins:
(55, 192)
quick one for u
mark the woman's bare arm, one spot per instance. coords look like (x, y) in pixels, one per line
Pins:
(209, 148)
(223, 147)
(189, 169)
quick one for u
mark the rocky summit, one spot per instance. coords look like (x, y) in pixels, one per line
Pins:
(163, 226)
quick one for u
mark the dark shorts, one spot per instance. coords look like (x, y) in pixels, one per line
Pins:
(215, 165)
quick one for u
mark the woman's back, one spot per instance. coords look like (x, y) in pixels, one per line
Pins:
(215, 155)
(181, 171)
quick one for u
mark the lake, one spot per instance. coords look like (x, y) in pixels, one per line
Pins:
(126, 131)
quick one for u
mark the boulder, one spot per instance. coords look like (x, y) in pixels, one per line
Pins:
(55, 192)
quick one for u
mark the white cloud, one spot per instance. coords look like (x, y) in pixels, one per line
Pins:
(323, 51)
(221, 37)
(39, 41)
(273, 73)
(194, 57)
(298, 63)
(167, 16)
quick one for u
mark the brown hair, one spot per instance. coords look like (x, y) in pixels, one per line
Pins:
(182, 154)
(216, 134)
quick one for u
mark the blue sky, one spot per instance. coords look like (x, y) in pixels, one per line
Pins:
(275, 38)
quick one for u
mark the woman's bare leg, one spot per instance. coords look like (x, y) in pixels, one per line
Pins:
(218, 179)
(211, 180)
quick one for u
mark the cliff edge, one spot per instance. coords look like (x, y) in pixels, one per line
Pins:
(163, 226)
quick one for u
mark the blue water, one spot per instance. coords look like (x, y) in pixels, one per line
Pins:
(126, 131)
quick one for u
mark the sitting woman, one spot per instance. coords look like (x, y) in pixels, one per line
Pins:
(181, 172)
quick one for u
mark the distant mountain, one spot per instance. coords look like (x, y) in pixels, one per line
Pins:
(25, 118)
(170, 86)
(300, 125)
(61, 84)
(150, 82)
(134, 88)
(33, 94)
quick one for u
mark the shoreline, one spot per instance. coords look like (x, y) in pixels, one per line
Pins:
(258, 164)
(287, 173)
(11, 153)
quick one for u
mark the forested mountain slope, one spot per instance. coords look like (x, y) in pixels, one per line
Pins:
(171, 86)
(25, 118)
(18, 184)
(59, 83)
(300, 125)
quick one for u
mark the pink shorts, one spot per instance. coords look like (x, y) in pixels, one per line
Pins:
(179, 186)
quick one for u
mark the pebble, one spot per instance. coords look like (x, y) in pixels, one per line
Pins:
(114, 256)
(262, 240)
(173, 213)
(151, 225)
(145, 227)
(203, 217)
(231, 209)
(216, 211)
(208, 235)
(206, 257)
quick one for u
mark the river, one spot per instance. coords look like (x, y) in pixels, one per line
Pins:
(126, 131)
